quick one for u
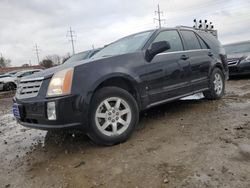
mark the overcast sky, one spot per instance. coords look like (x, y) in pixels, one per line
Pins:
(23, 23)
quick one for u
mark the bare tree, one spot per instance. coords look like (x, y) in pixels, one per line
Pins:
(56, 59)
(25, 65)
(65, 58)
(4, 62)
(47, 63)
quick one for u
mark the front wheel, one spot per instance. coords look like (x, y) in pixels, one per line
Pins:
(216, 85)
(113, 116)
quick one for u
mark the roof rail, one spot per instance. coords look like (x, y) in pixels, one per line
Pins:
(188, 27)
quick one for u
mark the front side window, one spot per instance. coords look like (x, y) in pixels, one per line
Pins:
(171, 36)
(191, 40)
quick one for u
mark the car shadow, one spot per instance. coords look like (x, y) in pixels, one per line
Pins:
(240, 77)
(74, 140)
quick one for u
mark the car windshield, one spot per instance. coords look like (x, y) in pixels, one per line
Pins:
(237, 48)
(78, 57)
(125, 45)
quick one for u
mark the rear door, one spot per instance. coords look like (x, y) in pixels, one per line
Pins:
(199, 57)
(169, 72)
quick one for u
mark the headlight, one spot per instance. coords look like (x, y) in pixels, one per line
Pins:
(61, 83)
(248, 58)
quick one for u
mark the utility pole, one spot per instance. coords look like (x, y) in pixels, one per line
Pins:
(37, 51)
(71, 35)
(159, 13)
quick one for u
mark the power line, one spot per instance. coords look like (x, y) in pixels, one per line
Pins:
(72, 35)
(159, 13)
(37, 51)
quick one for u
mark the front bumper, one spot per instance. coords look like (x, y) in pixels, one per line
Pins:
(70, 113)
(239, 69)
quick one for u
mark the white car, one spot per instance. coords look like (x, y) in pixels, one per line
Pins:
(10, 81)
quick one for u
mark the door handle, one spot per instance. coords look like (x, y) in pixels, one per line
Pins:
(184, 57)
(210, 54)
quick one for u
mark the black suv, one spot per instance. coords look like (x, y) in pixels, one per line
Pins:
(105, 93)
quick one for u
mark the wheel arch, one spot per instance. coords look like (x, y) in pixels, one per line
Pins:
(123, 81)
(9, 82)
(216, 65)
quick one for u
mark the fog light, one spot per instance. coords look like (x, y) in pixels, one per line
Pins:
(51, 110)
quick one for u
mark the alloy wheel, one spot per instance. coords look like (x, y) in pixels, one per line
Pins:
(113, 116)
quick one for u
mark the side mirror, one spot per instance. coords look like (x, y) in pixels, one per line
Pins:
(156, 48)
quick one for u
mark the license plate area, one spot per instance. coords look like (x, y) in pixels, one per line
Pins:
(16, 111)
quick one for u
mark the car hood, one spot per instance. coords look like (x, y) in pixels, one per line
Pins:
(237, 56)
(7, 79)
(47, 73)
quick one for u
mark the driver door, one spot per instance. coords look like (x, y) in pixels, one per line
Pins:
(169, 71)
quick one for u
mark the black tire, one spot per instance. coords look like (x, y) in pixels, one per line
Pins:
(9, 87)
(99, 97)
(212, 94)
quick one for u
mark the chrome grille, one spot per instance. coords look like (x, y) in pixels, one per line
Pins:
(28, 88)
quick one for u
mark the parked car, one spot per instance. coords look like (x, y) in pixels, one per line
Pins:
(82, 55)
(104, 94)
(1, 86)
(11, 80)
(5, 75)
(238, 58)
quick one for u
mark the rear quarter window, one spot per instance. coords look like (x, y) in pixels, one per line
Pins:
(191, 40)
(213, 43)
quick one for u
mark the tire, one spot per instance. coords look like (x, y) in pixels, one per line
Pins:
(216, 85)
(9, 87)
(113, 116)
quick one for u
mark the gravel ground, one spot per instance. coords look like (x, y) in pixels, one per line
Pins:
(189, 143)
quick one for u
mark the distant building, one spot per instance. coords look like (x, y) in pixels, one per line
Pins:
(9, 69)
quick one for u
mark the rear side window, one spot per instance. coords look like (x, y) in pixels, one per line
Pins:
(203, 44)
(173, 37)
(191, 40)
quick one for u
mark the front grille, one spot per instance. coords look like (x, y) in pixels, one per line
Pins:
(28, 88)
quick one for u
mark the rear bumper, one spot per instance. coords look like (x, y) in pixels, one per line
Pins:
(70, 112)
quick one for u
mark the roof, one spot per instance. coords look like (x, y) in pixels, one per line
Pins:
(10, 69)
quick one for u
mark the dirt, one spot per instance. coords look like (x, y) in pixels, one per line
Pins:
(189, 143)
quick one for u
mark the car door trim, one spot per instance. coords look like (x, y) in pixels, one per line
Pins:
(175, 98)
(175, 52)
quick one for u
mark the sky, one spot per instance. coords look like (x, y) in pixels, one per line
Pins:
(24, 23)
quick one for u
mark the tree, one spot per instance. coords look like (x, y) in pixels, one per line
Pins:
(54, 58)
(25, 65)
(47, 63)
(65, 58)
(4, 62)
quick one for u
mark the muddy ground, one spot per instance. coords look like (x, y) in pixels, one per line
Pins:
(189, 143)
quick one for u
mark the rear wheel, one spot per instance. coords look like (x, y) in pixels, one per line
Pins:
(113, 116)
(216, 84)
